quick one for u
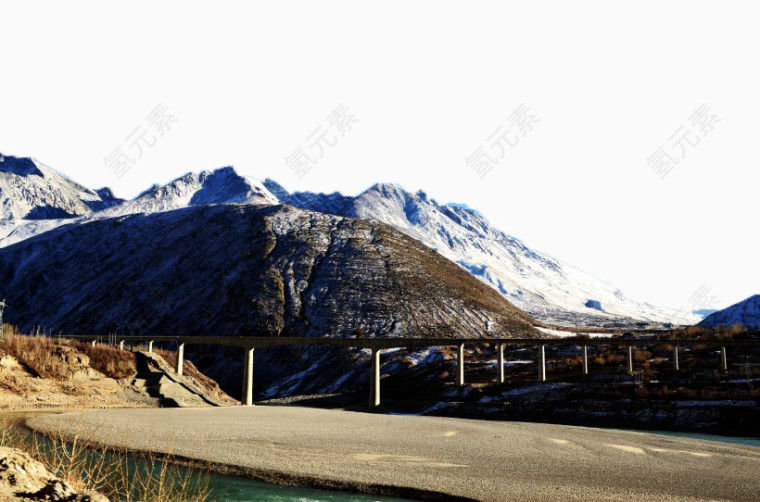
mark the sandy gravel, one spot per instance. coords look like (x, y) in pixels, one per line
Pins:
(490, 461)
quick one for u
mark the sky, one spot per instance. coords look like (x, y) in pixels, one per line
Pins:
(617, 137)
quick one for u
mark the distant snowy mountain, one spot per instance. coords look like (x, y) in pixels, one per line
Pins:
(546, 288)
(31, 191)
(222, 186)
(745, 313)
(35, 198)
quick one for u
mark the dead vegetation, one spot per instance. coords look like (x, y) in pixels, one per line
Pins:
(110, 361)
(111, 471)
(42, 371)
(41, 356)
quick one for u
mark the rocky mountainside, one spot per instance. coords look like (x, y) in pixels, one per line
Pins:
(35, 198)
(246, 270)
(745, 313)
(223, 186)
(31, 191)
(548, 289)
(77, 204)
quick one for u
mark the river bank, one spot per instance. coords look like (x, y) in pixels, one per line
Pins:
(430, 457)
(214, 485)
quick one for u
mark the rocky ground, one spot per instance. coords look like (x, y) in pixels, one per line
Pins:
(25, 479)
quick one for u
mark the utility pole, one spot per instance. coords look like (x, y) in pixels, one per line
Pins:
(2, 326)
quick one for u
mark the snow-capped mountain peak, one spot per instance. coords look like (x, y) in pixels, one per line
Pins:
(29, 190)
(221, 186)
(544, 287)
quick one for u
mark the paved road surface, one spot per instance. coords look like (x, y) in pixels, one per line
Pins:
(489, 461)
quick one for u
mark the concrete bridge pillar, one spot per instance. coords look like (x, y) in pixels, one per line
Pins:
(180, 358)
(150, 347)
(585, 359)
(630, 359)
(374, 379)
(501, 363)
(723, 359)
(541, 363)
(247, 399)
(121, 345)
(460, 365)
(676, 365)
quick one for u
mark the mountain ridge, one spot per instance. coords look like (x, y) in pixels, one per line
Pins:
(744, 313)
(545, 287)
(275, 270)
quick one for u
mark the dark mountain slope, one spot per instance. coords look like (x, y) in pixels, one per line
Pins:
(246, 270)
(744, 313)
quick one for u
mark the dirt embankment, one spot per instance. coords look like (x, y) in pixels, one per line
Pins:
(40, 372)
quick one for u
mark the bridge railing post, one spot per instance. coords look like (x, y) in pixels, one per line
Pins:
(501, 362)
(374, 383)
(585, 359)
(676, 364)
(150, 347)
(121, 345)
(630, 359)
(723, 359)
(247, 399)
(460, 365)
(180, 358)
(542, 363)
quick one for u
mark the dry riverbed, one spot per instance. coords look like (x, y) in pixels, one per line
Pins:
(427, 457)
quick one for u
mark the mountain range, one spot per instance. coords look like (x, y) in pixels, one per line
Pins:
(36, 199)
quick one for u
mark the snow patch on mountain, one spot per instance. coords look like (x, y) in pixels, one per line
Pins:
(745, 313)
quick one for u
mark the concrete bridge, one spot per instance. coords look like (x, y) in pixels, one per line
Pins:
(377, 345)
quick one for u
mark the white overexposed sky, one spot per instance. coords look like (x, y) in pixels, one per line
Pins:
(608, 84)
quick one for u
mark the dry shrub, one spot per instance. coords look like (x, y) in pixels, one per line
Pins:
(112, 471)
(41, 355)
(574, 362)
(112, 362)
(600, 360)
(641, 356)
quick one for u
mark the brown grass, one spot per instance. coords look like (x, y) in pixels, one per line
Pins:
(112, 362)
(40, 355)
(88, 466)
